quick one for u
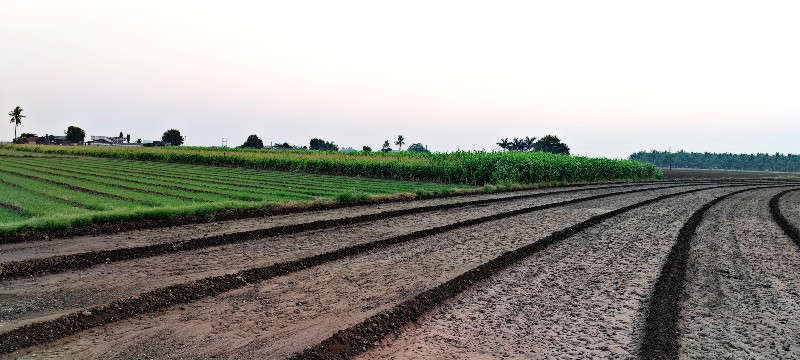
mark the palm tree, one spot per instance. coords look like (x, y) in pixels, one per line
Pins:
(16, 118)
(400, 141)
(504, 143)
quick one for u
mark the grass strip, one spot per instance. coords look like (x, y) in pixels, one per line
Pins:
(100, 179)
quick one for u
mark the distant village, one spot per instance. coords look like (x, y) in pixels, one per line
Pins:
(95, 140)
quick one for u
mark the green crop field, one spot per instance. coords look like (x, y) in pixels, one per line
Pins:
(475, 168)
(59, 191)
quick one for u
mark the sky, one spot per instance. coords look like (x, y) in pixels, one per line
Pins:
(608, 77)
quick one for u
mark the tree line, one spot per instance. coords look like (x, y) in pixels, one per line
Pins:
(548, 143)
(723, 161)
(254, 142)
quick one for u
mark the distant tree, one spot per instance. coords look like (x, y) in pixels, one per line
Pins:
(75, 134)
(551, 144)
(319, 144)
(504, 144)
(16, 118)
(366, 149)
(417, 147)
(22, 139)
(128, 138)
(253, 142)
(120, 135)
(400, 141)
(139, 140)
(517, 144)
(172, 137)
(386, 146)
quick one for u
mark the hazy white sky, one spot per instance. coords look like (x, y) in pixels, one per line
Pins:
(608, 77)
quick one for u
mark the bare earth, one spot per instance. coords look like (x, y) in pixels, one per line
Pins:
(743, 293)
(583, 297)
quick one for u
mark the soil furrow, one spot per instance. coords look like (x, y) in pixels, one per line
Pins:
(330, 297)
(582, 298)
(788, 228)
(193, 290)
(742, 292)
(358, 338)
(661, 339)
(62, 263)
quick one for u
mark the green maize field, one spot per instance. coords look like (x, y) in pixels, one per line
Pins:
(40, 191)
(465, 167)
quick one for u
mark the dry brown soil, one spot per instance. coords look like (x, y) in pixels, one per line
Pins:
(584, 297)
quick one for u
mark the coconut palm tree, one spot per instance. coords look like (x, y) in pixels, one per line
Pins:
(16, 118)
(504, 143)
(400, 141)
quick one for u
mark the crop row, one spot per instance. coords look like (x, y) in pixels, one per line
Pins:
(52, 192)
(463, 167)
(297, 182)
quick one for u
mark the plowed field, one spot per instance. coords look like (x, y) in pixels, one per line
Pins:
(675, 269)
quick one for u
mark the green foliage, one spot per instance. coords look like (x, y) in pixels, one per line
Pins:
(726, 161)
(253, 142)
(23, 138)
(319, 144)
(417, 147)
(386, 147)
(75, 134)
(463, 167)
(172, 137)
(39, 192)
(551, 144)
(366, 149)
(517, 144)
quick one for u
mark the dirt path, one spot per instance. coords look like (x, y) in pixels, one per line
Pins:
(581, 298)
(743, 288)
(307, 306)
(46, 248)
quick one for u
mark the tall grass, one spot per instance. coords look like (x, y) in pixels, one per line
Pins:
(462, 167)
